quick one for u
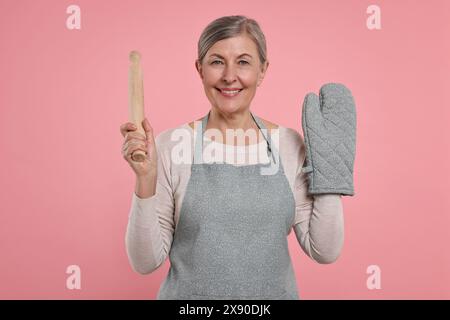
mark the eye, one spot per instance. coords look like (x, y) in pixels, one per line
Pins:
(244, 62)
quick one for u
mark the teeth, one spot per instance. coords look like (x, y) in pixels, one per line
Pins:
(230, 92)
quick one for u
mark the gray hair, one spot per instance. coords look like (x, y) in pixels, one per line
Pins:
(231, 26)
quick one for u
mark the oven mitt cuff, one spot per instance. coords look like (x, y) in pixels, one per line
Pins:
(329, 131)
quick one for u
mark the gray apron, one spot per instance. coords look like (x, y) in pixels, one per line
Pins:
(231, 238)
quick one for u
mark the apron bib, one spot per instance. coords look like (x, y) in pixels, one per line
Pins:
(231, 238)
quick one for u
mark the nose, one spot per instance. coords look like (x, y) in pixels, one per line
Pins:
(229, 74)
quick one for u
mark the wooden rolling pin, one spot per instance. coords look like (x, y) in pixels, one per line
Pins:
(136, 100)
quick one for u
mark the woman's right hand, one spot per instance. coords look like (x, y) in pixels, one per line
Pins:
(136, 141)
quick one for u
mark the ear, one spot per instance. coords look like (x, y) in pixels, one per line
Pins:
(263, 72)
(198, 66)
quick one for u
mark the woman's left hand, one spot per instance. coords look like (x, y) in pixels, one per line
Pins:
(329, 131)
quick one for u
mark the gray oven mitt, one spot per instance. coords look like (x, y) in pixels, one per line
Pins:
(329, 131)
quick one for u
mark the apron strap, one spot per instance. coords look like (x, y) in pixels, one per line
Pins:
(271, 149)
(200, 129)
(198, 139)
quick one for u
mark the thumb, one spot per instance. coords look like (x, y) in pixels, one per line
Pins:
(312, 114)
(148, 130)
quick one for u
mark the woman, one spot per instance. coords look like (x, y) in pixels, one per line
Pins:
(224, 225)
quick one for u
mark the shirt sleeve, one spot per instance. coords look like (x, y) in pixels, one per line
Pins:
(319, 220)
(151, 224)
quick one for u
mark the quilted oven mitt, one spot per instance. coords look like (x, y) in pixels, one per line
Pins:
(329, 131)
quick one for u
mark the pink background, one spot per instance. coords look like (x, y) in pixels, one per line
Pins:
(66, 190)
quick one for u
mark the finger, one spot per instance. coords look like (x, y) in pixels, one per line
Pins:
(127, 152)
(146, 125)
(134, 136)
(148, 130)
(135, 147)
(126, 127)
(133, 143)
(130, 150)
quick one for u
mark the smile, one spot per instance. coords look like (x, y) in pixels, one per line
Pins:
(229, 93)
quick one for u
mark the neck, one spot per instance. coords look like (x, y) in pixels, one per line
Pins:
(241, 119)
(236, 120)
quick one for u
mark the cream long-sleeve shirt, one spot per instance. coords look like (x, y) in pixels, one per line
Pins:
(318, 223)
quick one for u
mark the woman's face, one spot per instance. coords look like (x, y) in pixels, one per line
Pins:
(232, 63)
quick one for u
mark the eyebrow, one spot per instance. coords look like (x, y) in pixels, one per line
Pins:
(241, 55)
